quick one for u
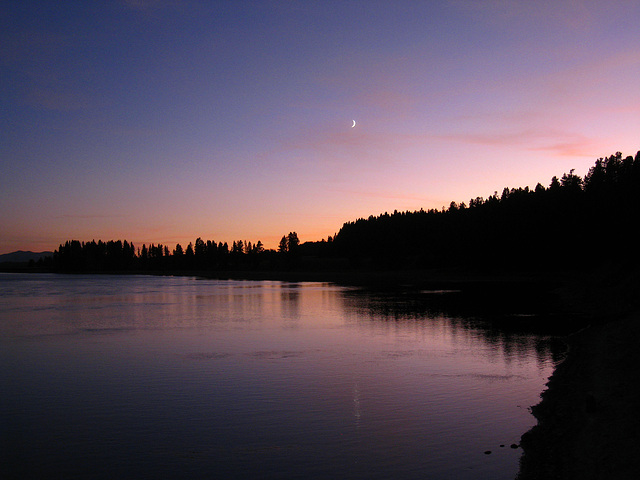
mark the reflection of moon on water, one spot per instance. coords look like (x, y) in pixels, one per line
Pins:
(356, 403)
(354, 123)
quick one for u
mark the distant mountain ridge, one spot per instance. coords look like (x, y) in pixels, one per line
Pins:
(22, 256)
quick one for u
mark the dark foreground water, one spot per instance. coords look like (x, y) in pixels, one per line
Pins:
(171, 377)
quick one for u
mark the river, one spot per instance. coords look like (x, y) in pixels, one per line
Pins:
(180, 377)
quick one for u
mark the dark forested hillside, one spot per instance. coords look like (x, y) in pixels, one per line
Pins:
(573, 223)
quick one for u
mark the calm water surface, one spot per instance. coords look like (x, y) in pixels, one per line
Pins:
(171, 377)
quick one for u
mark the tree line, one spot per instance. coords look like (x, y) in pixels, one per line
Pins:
(574, 222)
(118, 255)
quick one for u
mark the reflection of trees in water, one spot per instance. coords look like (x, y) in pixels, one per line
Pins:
(290, 301)
(505, 328)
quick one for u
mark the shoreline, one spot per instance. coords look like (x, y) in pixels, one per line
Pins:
(588, 423)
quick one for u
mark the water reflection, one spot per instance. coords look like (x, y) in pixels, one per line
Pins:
(201, 378)
(513, 336)
(290, 300)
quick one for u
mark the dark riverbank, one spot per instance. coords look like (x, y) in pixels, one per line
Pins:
(588, 420)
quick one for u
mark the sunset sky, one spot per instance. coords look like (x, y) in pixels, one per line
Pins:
(160, 121)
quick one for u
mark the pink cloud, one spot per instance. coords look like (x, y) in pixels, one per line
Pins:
(352, 139)
(388, 195)
(554, 141)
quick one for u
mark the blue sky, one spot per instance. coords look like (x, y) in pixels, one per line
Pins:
(161, 121)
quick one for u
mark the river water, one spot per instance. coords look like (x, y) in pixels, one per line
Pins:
(178, 377)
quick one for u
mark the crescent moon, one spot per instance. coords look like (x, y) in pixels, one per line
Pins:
(354, 124)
